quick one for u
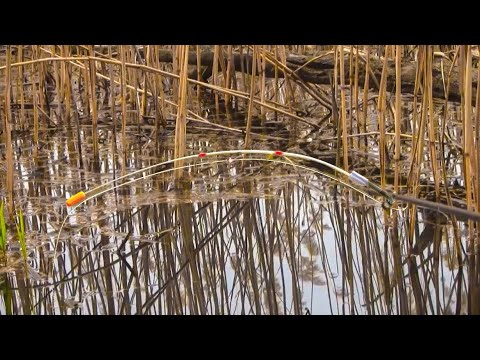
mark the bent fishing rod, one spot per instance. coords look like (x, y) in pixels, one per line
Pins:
(389, 197)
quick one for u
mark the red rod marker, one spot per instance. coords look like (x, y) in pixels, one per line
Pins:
(279, 153)
(202, 154)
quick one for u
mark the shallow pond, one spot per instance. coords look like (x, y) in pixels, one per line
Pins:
(241, 237)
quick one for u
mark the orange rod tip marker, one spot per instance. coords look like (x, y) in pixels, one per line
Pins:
(76, 199)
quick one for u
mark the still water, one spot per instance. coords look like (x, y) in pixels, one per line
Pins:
(239, 237)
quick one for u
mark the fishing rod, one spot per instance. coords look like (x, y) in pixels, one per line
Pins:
(389, 197)
(277, 160)
(460, 213)
(273, 156)
(354, 177)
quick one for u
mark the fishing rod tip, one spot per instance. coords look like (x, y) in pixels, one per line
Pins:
(76, 199)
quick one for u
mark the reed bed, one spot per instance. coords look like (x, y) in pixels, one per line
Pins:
(238, 237)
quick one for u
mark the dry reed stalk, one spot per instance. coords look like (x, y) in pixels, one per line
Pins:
(57, 58)
(34, 101)
(432, 121)
(181, 123)
(456, 231)
(123, 100)
(276, 85)
(347, 122)
(349, 119)
(262, 59)
(92, 70)
(20, 87)
(175, 70)
(228, 82)
(251, 102)
(242, 73)
(199, 78)
(404, 309)
(84, 73)
(111, 102)
(41, 80)
(335, 71)
(414, 175)
(433, 133)
(221, 59)
(467, 165)
(355, 97)
(476, 307)
(417, 144)
(418, 150)
(343, 105)
(289, 93)
(416, 135)
(154, 86)
(67, 82)
(159, 80)
(398, 114)
(144, 103)
(8, 136)
(216, 51)
(365, 100)
(132, 93)
(477, 147)
(382, 103)
(132, 74)
(56, 77)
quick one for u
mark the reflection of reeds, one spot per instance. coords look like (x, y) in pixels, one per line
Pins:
(218, 237)
(3, 232)
(21, 235)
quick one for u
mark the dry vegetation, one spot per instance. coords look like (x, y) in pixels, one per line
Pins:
(241, 236)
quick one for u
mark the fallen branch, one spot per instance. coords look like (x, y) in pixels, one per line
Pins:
(319, 69)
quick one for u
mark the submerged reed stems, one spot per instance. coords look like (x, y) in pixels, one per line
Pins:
(21, 235)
